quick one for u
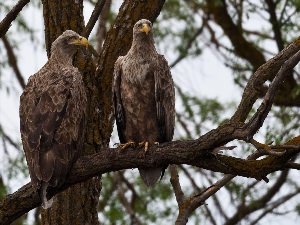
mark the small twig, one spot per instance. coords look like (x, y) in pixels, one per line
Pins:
(12, 60)
(11, 16)
(94, 17)
(274, 205)
(189, 43)
(124, 201)
(9, 140)
(266, 149)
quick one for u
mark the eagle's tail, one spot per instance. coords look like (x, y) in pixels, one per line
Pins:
(151, 176)
(45, 202)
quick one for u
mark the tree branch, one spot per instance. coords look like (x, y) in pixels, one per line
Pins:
(11, 16)
(176, 184)
(12, 60)
(178, 152)
(264, 72)
(94, 17)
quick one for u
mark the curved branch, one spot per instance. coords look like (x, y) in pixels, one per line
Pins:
(11, 16)
(12, 60)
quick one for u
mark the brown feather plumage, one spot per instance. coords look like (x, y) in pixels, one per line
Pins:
(52, 115)
(144, 96)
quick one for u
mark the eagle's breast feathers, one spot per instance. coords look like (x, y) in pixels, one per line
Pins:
(144, 96)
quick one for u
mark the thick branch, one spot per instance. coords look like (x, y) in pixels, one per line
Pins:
(179, 152)
(11, 16)
(257, 120)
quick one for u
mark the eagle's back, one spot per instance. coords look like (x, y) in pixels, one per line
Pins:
(52, 114)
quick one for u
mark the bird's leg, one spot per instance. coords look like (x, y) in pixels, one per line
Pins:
(146, 145)
(127, 145)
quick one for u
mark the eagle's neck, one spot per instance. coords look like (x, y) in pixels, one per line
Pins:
(143, 46)
(61, 57)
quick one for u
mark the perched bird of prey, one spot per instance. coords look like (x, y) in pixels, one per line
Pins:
(52, 116)
(143, 95)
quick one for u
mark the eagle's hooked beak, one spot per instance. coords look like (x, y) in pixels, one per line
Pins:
(146, 28)
(81, 41)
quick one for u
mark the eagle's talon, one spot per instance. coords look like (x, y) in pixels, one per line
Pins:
(144, 144)
(126, 145)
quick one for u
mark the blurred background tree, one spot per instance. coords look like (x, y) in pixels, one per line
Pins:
(213, 47)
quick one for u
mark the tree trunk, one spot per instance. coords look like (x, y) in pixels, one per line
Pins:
(78, 204)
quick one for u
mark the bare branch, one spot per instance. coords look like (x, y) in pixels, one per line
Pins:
(189, 43)
(259, 203)
(12, 60)
(124, 201)
(11, 16)
(257, 120)
(274, 205)
(9, 140)
(187, 207)
(94, 17)
(176, 184)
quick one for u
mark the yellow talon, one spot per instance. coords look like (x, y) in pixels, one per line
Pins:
(126, 145)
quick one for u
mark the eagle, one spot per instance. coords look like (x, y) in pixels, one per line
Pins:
(52, 116)
(144, 97)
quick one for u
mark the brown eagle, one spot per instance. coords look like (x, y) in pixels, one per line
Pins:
(52, 116)
(143, 95)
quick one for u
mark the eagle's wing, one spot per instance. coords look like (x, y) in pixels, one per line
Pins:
(51, 122)
(118, 107)
(165, 99)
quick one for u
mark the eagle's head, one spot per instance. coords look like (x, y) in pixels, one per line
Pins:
(142, 28)
(67, 43)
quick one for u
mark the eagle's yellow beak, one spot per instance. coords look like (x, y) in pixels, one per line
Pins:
(146, 28)
(80, 41)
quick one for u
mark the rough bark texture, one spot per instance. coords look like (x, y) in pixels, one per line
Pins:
(78, 204)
